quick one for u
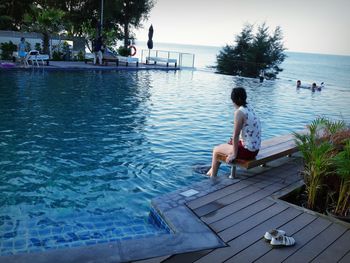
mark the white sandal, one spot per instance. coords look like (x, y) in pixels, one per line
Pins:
(273, 233)
(282, 241)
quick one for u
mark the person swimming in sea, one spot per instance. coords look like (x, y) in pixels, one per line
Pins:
(299, 86)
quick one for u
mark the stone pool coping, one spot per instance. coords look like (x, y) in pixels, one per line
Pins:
(188, 233)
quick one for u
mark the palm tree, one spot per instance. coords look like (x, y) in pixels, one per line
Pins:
(45, 21)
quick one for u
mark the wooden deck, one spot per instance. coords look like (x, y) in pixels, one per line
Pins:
(242, 212)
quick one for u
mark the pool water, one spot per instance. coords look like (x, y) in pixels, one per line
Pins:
(84, 152)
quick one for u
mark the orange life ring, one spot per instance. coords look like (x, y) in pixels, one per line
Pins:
(132, 51)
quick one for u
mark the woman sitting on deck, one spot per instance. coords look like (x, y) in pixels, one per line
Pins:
(246, 139)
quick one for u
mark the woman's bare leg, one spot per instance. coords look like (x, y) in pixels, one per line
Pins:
(225, 149)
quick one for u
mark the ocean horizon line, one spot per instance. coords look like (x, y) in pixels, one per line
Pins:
(218, 47)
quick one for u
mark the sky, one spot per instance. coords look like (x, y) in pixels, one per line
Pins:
(313, 26)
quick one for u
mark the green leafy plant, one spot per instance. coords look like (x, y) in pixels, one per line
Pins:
(317, 151)
(80, 56)
(123, 51)
(7, 49)
(342, 163)
(57, 55)
(37, 47)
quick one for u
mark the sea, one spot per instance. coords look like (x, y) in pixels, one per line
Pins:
(332, 70)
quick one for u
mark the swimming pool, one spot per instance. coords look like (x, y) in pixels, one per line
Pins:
(84, 152)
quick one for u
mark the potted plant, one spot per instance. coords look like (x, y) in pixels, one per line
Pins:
(317, 151)
(342, 164)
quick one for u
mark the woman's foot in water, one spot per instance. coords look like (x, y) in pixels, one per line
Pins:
(210, 172)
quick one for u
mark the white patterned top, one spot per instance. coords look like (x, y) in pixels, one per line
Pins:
(251, 131)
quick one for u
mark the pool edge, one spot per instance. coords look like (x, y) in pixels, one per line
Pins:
(188, 233)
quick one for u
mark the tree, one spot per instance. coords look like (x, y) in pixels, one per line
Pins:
(79, 18)
(253, 53)
(12, 13)
(45, 21)
(131, 13)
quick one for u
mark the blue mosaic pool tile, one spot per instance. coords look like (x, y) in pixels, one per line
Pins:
(7, 253)
(158, 221)
(20, 244)
(7, 227)
(138, 229)
(73, 236)
(44, 232)
(7, 244)
(9, 235)
(77, 244)
(117, 232)
(56, 230)
(100, 241)
(36, 242)
(90, 242)
(20, 238)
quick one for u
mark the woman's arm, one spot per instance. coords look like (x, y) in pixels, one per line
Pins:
(238, 124)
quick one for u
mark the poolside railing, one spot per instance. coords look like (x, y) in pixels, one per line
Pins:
(184, 60)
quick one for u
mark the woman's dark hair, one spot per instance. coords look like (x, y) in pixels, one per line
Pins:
(239, 96)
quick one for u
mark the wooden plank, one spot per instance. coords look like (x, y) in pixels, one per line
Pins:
(346, 258)
(336, 251)
(277, 139)
(241, 215)
(302, 237)
(228, 199)
(187, 257)
(244, 226)
(232, 208)
(269, 158)
(261, 247)
(201, 201)
(318, 244)
(250, 237)
(229, 209)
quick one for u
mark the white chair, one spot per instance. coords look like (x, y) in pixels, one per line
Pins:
(159, 59)
(127, 60)
(34, 56)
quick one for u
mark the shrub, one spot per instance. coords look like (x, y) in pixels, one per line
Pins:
(124, 51)
(7, 49)
(342, 163)
(326, 152)
(317, 150)
(81, 56)
(37, 47)
(57, 55)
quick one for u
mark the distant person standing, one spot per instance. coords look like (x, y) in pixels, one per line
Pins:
(97, 45)
(261, 76)
(22, 51)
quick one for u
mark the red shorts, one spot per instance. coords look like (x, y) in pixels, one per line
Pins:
(244, 153)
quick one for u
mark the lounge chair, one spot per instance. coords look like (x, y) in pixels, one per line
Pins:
(111, 56)
(34, 56)
(164, 60)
